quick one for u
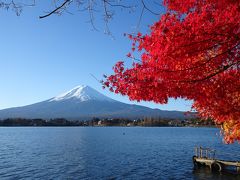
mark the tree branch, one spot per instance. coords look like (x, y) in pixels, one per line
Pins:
(144, 5)
(55, 10)
(220, 70)
(117, 5)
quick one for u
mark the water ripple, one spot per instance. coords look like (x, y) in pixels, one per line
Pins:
(105, 153)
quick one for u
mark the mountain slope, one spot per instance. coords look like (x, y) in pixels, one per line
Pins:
(83, 102)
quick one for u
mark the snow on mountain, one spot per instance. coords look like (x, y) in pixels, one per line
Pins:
(84, 102)
(82, 93)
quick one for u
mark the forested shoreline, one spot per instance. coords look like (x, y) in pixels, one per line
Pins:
(145, 122)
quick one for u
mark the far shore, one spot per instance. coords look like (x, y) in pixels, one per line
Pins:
(106, 122)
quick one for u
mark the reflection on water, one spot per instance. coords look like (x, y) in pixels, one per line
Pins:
(107, 153)
(206, 173)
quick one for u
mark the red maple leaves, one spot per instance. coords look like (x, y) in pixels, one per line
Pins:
(192, 52)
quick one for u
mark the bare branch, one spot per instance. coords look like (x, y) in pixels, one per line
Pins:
(140, 18)
(62, 6)
(118, 5)
(108, 15)
(95, 78)
(144, 5)
(55, 10)
(90, 11)
(32, 4)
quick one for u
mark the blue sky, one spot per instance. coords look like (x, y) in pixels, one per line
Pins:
(41, 58)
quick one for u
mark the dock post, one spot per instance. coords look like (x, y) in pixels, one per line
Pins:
(196, 151)
(238, 170)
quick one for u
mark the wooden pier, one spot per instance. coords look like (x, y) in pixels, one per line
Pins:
(206, 157)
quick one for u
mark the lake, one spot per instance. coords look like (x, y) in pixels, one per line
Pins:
(108, 152)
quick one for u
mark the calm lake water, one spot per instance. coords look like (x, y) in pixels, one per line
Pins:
(108, 153)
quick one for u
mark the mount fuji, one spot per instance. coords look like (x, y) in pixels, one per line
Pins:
(84, 103)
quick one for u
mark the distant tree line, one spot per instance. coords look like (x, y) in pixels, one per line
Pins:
(38, 122)
(146, 122)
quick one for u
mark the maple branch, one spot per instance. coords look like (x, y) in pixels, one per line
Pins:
(197, 42)
(55, 10)
(208, 48)
(220, 70)
(207, 61)
(135, 59)
(201, 64)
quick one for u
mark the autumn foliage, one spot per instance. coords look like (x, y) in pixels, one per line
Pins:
(192, 52)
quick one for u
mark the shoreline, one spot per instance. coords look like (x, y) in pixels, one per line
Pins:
(122, 126)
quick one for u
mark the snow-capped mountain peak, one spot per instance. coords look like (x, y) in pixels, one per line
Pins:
(82, 93)
(84, 103)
